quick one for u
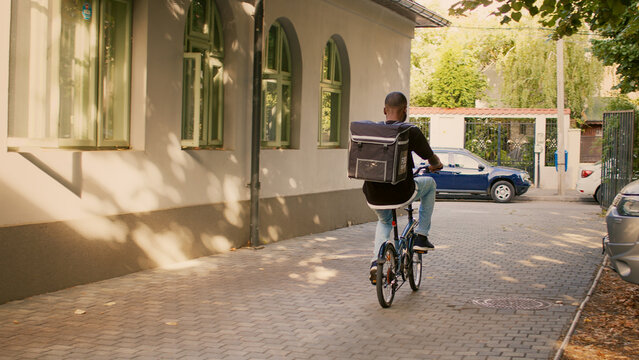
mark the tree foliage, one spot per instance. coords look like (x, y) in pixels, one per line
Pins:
(457, 81)
(617, 21)
(424, 56)
(566, 16)
(620, 46)
(530, 78)
(446, 68)
(521, 64)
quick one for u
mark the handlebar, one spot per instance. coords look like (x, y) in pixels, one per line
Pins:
(423, 169)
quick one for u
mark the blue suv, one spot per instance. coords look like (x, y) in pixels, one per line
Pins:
(467, 173)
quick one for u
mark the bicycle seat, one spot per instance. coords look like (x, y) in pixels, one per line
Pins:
(394, 206)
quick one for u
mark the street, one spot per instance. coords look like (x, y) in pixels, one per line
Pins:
(530, 262)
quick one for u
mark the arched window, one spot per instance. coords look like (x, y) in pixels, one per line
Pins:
(276, 90)
(330, 97)
(202, 105)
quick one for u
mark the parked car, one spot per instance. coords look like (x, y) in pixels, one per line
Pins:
(622, 241)
(589, 181)
(467, 173)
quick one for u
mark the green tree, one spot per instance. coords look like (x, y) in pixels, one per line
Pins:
(429, 46)
(527, 75)
(521, 64)
(620, 46)
(530, 75)
(617, 21)
(492, 47)
(566, 16)
(424, 51)
(457, 80)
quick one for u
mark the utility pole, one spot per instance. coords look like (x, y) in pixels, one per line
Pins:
(561, 128)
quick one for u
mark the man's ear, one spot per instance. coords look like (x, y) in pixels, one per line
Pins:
(385, 111)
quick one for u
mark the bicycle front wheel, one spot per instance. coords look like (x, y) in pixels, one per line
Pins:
(415, 271)
(386, 277)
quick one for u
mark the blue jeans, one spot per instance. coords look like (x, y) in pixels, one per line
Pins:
(426, 195)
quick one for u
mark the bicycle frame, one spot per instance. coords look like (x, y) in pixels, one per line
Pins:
(400, 243)
(397, 263)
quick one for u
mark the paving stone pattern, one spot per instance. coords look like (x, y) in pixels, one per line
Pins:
(309, 297)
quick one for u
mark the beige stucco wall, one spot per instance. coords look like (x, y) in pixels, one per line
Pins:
(53, 185)
(145, 198)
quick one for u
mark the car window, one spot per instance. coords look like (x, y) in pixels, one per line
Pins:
(464, 161)
(444, 158)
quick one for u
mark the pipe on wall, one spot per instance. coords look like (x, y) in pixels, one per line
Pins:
(256, 123)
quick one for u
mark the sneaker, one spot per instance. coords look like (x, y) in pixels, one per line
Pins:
(422, 244)
(373, 272)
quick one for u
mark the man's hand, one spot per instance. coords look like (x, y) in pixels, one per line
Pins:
(436, 167)
(434, 164)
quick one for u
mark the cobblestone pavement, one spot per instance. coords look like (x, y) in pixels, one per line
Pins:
(309, 297)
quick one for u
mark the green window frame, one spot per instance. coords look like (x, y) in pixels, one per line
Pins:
(203, 72)
(276, 90)
(70, 72)
(330, 97)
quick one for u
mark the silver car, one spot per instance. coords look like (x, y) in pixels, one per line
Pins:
(622, 241)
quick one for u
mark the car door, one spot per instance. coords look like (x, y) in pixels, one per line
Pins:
(445, 178)
(471, 174)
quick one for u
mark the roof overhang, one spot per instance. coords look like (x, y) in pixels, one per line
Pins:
(415, 12)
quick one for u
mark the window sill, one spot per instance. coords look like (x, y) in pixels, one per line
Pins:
(205, 148)
(277, 148)
(36, 149)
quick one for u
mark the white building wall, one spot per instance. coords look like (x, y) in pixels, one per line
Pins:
(39, 185)
(550, 176)
(447, 131)
(375, 71)
(5, 26)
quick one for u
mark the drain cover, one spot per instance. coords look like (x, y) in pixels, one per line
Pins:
(514, 303)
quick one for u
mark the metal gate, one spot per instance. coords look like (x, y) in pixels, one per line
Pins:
(503, 142)
(616, 158)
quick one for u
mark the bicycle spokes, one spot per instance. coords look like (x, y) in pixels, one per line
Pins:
(386, 277)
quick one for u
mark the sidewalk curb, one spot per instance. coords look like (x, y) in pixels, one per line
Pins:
(556, 198)
(571, 330)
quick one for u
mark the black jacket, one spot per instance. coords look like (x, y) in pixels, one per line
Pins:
(385, 195)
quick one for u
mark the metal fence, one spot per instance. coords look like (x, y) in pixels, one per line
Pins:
(551, 142)
(423, 123)
(616, 166)
(503, 142)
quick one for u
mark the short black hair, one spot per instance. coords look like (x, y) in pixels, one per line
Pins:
(396, 99)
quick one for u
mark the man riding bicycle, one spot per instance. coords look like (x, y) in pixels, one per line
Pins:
(383, 197)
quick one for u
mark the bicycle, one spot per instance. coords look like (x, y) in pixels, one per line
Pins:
(397, 262)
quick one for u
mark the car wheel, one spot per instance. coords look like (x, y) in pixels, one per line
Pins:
(502, 192)
(597, 195)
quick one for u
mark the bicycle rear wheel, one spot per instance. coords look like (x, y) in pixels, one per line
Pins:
(386, 277)
(415, 271)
